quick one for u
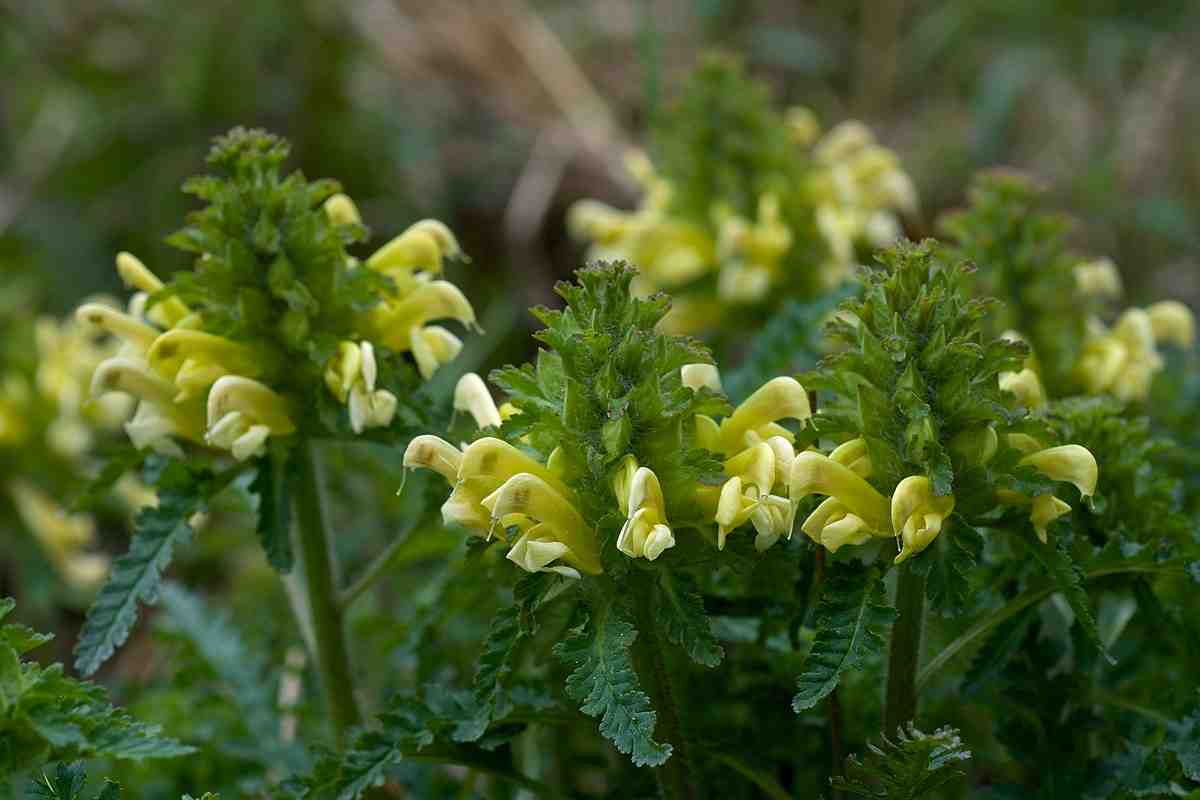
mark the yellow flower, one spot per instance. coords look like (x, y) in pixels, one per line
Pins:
(422, 247)
(63, 537)
(918, 514)
(754, 419)
(860, 510)
(351, 376)
(1172, 321)
(1070, 463)
(1124, 361)
(1098, 278)
(433, 452)
(1026, 386)
(400, 323)
(735, 506)
(559, 532)
(342, 211)
(242, 414)
(158, 417)
(471, 395)
(803, 127)
(646, 532)
(167, 314)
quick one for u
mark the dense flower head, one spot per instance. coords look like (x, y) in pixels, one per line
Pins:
(1055, 300)
(618, 443)
(925, 398)
(276, 328)
(739, 201)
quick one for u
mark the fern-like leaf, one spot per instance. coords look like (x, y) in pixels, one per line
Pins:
(604, 683)
(136, 576)
(1063, 570)
(681, 611)
(271, 484)
(851, 612)
(906, 768)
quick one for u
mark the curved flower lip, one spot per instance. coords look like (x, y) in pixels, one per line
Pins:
(734, 508)
(831, 525)
(118, 323)
(472, 396)
(433, 346)
(174, 348)
(1071, 463)
(755, 466)
(396, 321)
(1045, 509)
(435, 453)
(537, 549)
(533, 497)
(779, 398)
(814, 473)
(132, 376)
(238, 394)
(918, 514)
(646, 531)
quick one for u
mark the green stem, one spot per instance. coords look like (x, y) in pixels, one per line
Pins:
(904, 655)
(675, 777)
(314, 549)
(373, 572)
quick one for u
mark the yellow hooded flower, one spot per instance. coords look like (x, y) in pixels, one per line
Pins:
(158, 417)
(860, 510)
(918, 514)
(560, 533)
(167, 314)
(1026, 386)
(422, 247)
(242, 414)
(399, 323)
(472, 396)
(754, 419)
(646, 532)
(351, 377)
(1122, 361)
(1069, 463)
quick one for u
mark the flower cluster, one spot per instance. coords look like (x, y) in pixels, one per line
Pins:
(917, 395)
(228, 354)
(746, 201)
(1056, 301)
(47, 430)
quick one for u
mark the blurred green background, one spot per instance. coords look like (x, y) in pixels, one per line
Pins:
(495, 115)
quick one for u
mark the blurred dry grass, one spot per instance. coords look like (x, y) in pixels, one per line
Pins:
(496, 114)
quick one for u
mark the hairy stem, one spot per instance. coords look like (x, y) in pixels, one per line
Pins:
(676, 779)
(904, 655)
(319, 571)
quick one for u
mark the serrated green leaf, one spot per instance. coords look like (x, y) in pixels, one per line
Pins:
(136, 576)
(680, 610)
(603, 681)
(272, 485)
(1069, 577)
(852, 610)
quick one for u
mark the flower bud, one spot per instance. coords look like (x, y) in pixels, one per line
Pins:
(1172, 321)
(1098, 278)
(1026, 386)
(341, 210)
(698, 376)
